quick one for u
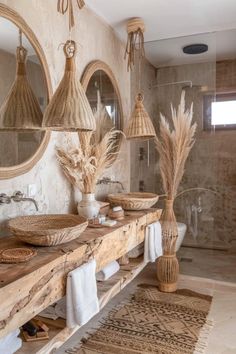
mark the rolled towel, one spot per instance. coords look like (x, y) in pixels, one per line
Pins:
(10, 343)
(49, 312)
(153, 242)
(81, 295)
(60, 308)
(108, 271)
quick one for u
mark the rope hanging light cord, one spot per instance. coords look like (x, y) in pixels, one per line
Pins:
(64, 6)
(135, 41)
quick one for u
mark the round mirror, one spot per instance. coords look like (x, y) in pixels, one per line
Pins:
(21, 149)
(103, 95)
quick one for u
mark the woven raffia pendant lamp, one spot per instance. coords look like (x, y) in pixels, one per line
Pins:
(140, 126)
(69, 109)
(21, 110)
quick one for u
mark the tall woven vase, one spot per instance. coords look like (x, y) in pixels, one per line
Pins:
(167, 265)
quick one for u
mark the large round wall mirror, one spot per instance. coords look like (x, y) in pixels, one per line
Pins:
(104, 97)
(21, 149)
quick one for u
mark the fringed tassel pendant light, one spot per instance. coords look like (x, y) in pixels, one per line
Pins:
(140, 125)
(69, 109)
(135, 41)
(21, 109)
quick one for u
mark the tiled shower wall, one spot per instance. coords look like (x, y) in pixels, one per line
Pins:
(211, 164)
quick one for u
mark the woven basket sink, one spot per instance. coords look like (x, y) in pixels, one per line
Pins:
(134, 201)
(47, 230)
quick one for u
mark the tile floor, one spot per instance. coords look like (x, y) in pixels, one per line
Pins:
(223, 310)
(206, 263)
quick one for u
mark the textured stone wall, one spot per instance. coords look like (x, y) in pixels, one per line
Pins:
(96, 40)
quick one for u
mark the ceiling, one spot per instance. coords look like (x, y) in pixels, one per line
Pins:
(175, 20)
(168, 52)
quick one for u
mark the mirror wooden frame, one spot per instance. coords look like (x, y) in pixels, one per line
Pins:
(90, 69)
(14, 17)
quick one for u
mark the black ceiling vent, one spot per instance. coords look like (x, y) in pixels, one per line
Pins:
(195, 48)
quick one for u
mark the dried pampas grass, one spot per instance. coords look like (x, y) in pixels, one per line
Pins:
(173, 147)
(84, 165)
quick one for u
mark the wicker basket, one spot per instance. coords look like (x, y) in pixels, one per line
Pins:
(134, 201)
(47, 230)
(17, 255)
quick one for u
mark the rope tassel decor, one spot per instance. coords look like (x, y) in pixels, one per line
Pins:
(66, 5)
(135, 41)
(21, 109)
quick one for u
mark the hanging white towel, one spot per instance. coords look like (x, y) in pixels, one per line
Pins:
(153, 242)
(10, 343)
(107, 272)
(81, 295)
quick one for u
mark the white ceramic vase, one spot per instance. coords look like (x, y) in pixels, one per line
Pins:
(88, 206)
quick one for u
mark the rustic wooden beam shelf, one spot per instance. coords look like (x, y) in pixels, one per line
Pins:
(27, 289)
(106, 290)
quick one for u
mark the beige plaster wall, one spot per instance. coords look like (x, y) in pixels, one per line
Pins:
(96, 40)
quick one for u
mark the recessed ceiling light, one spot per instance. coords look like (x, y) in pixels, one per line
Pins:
(195, 48)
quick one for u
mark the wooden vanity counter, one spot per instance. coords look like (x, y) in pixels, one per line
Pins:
(27, 289)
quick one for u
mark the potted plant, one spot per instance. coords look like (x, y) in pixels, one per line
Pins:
(83, 165)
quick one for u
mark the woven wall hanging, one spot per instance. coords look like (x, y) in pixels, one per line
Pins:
(69, 109)
(21, 110)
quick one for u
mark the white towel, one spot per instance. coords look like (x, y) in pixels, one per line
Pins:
(60, 308)
(81, 295)
(153, 242)
(49, 312)
(10, 343)
(108, 271)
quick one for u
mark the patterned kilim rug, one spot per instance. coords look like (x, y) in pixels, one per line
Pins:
(153, 322)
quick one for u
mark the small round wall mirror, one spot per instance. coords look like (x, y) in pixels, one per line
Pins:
(103, 95)
(21, 149)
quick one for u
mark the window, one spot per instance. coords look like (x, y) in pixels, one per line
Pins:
(220, 111)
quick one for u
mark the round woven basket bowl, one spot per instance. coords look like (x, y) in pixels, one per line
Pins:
(48, 230)
(134, 201)
(17, 255)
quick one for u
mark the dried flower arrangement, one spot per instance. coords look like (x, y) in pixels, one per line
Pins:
(84, 165)
(173, 147)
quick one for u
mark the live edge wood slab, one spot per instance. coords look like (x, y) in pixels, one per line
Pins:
(27, 289)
